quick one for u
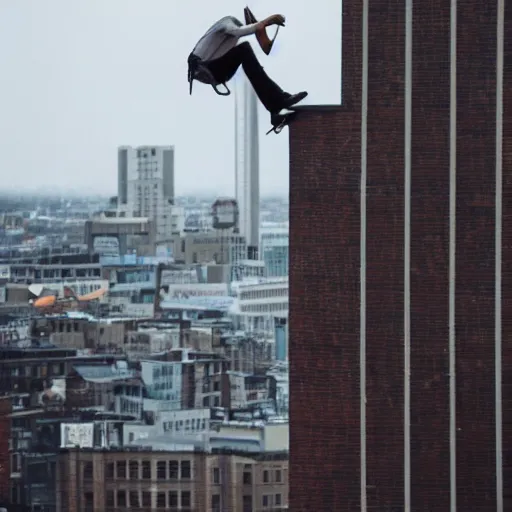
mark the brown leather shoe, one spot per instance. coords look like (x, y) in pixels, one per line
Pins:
(261, 35)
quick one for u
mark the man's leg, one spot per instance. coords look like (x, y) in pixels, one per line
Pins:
(269, 93)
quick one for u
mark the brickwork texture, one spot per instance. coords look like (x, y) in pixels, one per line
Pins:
(325, 234)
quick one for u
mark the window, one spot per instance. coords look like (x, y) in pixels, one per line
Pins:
(161, 470)
(146, 470)
(88, 471)
(109, 470)
(109, 499)
(173, 499)
(160, 500)
(185, 469)
(88, 501)
(173, 469)
(277, 500)
(215, 502)
(15, 495)
(134, 469)
(265, 501)
(121, 498)
(186, 501)
(146, 499)
(134, 499)
(265, 477)
(247, 476)
(15, 463)
(279, 477)
(247, 503)
(121, 469)
(216, 476)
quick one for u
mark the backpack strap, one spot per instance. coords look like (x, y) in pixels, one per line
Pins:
(198, 70)
(227, 92)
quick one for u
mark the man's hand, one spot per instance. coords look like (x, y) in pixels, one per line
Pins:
(275, 19)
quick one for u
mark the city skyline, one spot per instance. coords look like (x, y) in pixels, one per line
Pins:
(70, 98)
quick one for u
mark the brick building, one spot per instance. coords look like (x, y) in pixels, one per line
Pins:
(397, 230)
(109, 481)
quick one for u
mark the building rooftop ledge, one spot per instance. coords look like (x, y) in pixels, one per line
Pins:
(321, 108)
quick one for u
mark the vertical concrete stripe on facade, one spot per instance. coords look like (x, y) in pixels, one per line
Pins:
(498, 263)
(452, 254)
(407, 254)
(362, 314)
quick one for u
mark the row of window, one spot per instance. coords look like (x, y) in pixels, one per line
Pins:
(130, 407)
(135, 295)
(268, 477)
(211, 401)
(135, 470)
(172, 470)
(60, 273)
(228, 240)
(189, 425)
(273, 477)
(38, 370)
(144, 153)
(146, 204)
(267, 501)
(135, 276)
(148, 174)
(173, 500)
(65, 326)
(264, 294)
(164, 370)
(136, 499)
(264, 308)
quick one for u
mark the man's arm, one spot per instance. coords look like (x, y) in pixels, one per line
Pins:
(261, 35)
(244, 30)
(252, 28)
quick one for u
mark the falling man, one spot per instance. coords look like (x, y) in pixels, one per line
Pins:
(218, 55)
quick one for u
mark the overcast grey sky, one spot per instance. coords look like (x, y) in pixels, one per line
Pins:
(81, 77)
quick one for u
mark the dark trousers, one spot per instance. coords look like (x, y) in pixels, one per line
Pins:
(224, 68)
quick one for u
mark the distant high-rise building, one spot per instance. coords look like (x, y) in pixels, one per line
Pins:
(281, 337)
(146, 184)
(274, 249)
(247, 173)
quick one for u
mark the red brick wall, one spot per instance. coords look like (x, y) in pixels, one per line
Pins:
(384, 257)
(352, 52)
(476, 161)
(324, 310)
(507, 258)
(430, 200)
(325, 157)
